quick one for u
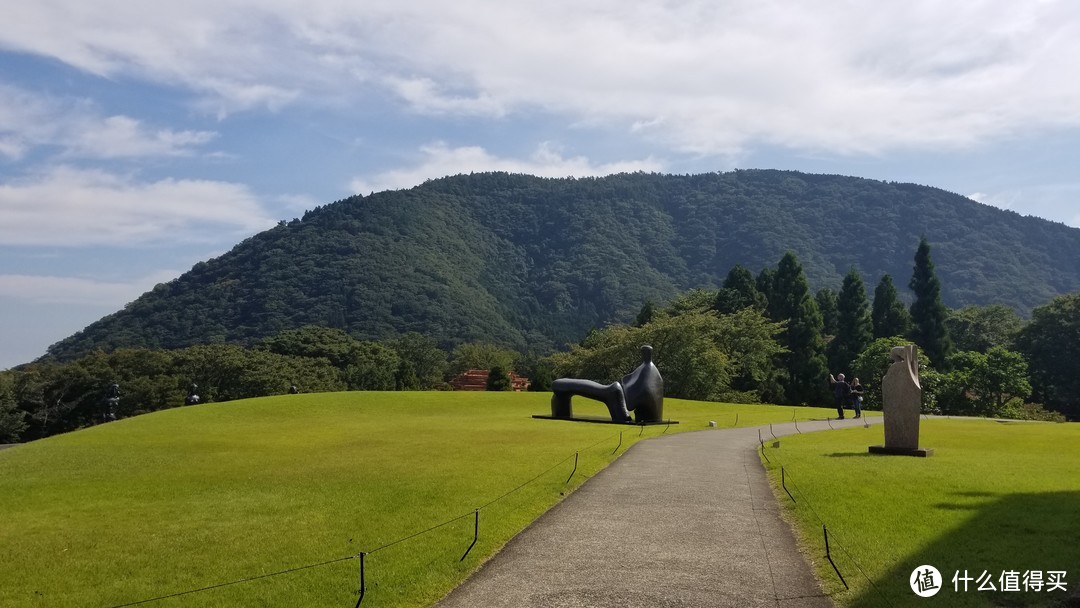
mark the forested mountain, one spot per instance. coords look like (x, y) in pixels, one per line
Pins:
(533, 263)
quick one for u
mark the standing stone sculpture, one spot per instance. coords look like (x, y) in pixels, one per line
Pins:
(641, 391)
(902, 403)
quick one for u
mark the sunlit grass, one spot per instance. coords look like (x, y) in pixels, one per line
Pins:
(191, 497)
(994, 496)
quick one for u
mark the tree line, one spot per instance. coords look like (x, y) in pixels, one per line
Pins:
(48, 397)
(530, 262)
(758, 338)
(766, 338)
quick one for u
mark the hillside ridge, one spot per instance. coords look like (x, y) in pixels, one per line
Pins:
(533, 263)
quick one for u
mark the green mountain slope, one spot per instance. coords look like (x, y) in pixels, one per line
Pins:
(523, 260)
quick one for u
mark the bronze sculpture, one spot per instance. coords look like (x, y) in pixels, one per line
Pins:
(112, 401)
(641, 391)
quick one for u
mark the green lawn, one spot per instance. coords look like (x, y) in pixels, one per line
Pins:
(994, 497)
(192, 497)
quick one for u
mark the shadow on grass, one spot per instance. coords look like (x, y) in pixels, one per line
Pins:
(1013, 533)
(850, 455)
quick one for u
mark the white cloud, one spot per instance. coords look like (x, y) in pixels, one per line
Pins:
(123, 137)
(69, 207)
(79, 290)
(700, 76)
(29, 120)
(424, 95)
(438, 160)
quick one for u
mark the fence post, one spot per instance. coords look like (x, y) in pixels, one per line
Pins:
(829, 556)
(783, 482)
(363, 586)
(476, 535)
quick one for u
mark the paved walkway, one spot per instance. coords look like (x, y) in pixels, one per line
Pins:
(679, 521)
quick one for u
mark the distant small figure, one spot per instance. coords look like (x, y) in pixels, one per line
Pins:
(856, 397)
(112, 401)
(293, 390)
(193, 395)
(841, 393)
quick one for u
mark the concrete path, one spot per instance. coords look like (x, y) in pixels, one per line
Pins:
(679, 521)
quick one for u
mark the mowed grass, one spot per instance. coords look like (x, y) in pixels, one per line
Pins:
(191, 498)
(994, 497)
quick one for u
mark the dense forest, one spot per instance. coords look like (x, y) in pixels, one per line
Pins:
(755, 339)
(533, 263)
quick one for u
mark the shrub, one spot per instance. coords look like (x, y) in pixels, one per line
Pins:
(1018, 410)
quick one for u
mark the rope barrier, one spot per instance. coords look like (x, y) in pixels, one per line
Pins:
(830, 535)
(473, 513)
(236, 582)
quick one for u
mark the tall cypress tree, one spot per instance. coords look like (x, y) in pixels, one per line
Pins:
(739, 291)
(805, 360)
(827, 303)
(927, 312)
(646, 314)
(765, 281)
(889, 315)
(854, 330)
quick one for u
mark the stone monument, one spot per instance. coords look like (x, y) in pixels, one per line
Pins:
(901, 396)
(641, 391)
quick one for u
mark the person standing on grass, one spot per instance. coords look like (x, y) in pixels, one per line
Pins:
(841, 391)
(856, 397)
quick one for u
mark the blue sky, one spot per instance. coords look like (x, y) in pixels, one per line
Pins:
(138, 138)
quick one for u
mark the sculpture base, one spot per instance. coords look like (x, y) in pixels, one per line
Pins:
(599, 420)
(887, 451)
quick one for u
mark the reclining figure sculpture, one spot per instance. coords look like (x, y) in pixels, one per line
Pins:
(641, 391)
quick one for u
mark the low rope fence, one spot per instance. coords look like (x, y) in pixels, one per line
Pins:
(361, 556)
(803, 502)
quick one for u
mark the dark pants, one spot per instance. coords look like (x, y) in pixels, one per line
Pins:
(840, 407)
(858, 406)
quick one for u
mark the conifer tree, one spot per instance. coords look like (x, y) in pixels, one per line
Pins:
(765, 281)
(889, 315)
(827, 303)
(854, 330)
(927, 312)
(739, 291)
(805, 365)
(498, 379)
(646, 314)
